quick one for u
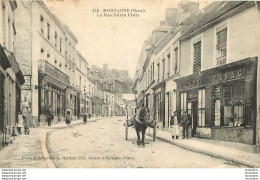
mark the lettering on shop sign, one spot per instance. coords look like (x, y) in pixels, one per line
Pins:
(232, 75)
(228, 76)
(193, 84)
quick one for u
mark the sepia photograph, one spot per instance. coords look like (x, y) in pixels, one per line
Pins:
(129, 84)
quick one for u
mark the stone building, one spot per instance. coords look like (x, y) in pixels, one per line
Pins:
(208, 66)
(72, 91)
(11, 77)
(41, 54)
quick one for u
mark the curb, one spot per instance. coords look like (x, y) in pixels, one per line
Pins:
(201, 151)
(45, 153)
(78, 123)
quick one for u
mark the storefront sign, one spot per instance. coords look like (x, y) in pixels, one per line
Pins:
(223, 77)
(229, 76)
(27, 83)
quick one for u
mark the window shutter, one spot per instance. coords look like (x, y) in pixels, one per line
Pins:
(222, 37)
(197, 57)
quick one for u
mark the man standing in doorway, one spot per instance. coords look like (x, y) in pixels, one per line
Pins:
(185, 124)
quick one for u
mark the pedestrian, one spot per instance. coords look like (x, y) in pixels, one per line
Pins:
(68, 118)
(185, 124)
(85, 118)
(19, 125)
(26, 126)
(49, 115)
(174, 122)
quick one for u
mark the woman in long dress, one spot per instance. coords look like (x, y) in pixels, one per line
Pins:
(175, 126)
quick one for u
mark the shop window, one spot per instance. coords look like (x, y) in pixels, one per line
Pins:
(197, 57)
(233, 105)
(183, 102)
(221, 52)
(201, 107)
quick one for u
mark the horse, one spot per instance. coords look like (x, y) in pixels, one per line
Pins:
(140, 124)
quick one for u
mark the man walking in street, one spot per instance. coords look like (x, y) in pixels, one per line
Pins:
(185, 124)
(49, 115)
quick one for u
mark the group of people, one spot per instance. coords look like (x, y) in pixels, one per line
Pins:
(184, 121)
(175, 122)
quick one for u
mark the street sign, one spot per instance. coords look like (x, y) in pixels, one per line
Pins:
(27, 83)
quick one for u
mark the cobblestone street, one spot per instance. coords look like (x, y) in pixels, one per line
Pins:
(101, 143)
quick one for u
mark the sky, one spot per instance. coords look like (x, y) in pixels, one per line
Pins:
(116, 41)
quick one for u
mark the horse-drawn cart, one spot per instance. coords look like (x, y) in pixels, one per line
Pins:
(130, 123)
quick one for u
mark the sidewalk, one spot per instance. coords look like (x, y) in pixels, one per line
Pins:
(236, 152)
(29, 151)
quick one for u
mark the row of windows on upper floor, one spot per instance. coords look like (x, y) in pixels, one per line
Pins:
(221, 55)
(57, 41)
(8, 29)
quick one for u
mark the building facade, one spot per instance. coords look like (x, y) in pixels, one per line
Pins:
(208, 66)
(11, 77)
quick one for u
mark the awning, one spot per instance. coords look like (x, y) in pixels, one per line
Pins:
(15, 66)
(4, 62)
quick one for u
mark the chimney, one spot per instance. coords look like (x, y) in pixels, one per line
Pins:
(186, 9)
(171, 16)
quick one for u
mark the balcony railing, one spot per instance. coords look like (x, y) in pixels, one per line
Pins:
(46, 67)
(221, 60)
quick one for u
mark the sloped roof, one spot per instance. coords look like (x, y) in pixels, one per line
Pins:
(208, 14)
(126, 88)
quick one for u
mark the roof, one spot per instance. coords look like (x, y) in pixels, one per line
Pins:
(54, 18)
(67, 29)
(163, 28)
(208, 14)
(80, 55)
(126, 88)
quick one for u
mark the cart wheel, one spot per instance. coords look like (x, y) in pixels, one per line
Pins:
(154, 133)
(126, 131)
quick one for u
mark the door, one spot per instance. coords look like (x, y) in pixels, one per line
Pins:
(193, 113)
(194, 117)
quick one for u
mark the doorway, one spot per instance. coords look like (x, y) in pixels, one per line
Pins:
(193, 113)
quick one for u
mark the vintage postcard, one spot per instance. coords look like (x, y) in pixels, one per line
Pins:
(129, 84)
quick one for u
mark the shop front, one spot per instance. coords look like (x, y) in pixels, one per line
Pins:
(72, 101)
(221, 101)
(52, 92)
(159, 104)
(83, 105)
